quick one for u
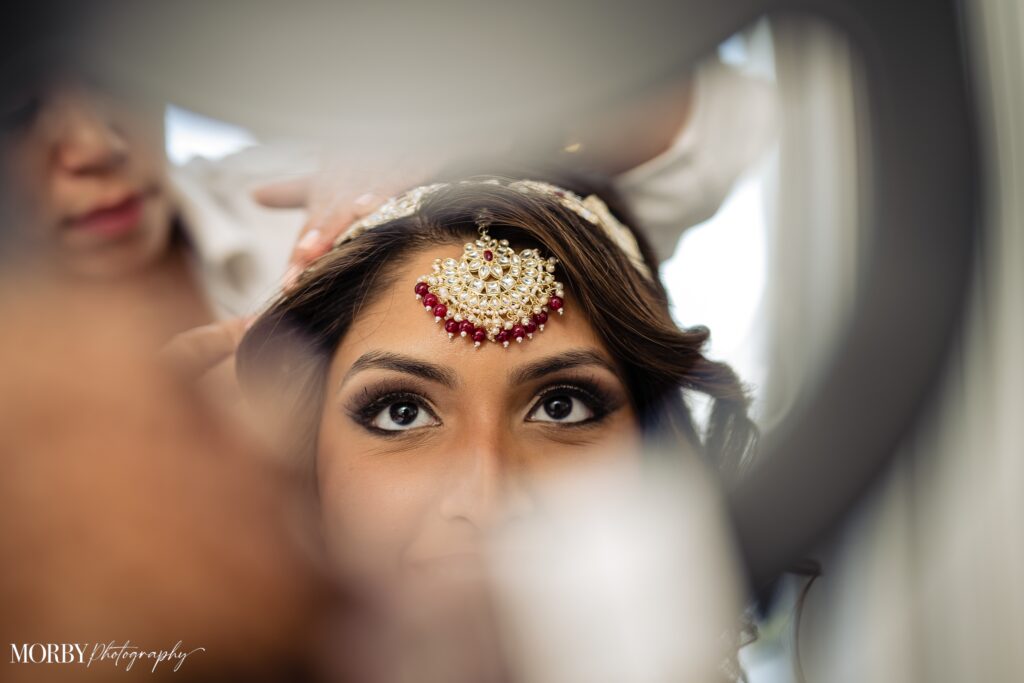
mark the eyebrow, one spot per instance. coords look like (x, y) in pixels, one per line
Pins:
(380, 360)
(563, 361)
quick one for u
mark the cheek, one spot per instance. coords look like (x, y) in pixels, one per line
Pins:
(156, 220)
(148, 163)
(28, 186)
(374, 504)
(555, 454)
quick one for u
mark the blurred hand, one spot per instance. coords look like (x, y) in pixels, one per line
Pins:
(197, 351)
(205, 356)
(337, 196)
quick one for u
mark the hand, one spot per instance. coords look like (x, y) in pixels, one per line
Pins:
(336, 197)
(205, 356)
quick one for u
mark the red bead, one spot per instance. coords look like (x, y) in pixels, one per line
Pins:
(531, 327)
(479, 335)
(430, 300)
(451, 327)
(422, 288)
(519, 331)
(466, 326)
(440, 310)
(502, 336)
(555, 303)
(488, 255)
(539, 318)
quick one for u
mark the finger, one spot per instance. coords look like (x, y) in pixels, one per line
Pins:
(311, 245)
(219, 385)
(194, 352)
(333, 207)
(366, 203)
(330, 222)
(284, 194)
(290, 276)
(318, 235)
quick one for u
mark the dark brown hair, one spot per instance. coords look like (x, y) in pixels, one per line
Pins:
(290, 346)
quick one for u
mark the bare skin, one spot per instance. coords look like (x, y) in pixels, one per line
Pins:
(427, 447)
(426, 444)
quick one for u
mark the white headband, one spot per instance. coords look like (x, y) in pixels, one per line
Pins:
(591, 209)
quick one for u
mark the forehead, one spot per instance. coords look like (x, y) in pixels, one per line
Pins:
(395, 321)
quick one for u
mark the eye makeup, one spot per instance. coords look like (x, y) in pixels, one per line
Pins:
(367, 405)
(598, 400)
(384, 399)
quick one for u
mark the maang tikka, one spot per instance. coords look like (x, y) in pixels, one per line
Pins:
(492, 293)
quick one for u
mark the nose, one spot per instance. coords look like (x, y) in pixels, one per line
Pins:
(487, 487)
(86, 141)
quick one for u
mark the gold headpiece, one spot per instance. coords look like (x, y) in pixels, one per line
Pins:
(492, 293)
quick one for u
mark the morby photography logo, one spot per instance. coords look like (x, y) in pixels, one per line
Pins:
(87, 654)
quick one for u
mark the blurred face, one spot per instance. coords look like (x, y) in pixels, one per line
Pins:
(426, 444)
(87, 174)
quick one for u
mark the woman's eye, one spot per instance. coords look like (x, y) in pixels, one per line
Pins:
(403, 415)
(561, 408)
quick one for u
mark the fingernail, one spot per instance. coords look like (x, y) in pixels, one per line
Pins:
(364, 203)
(310, 239)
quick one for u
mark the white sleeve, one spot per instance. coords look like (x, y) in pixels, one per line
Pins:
(734, 121)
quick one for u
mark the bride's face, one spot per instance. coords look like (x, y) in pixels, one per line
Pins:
(426, 444)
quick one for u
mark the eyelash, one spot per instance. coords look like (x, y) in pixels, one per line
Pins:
(376, 400)
(589, 392)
